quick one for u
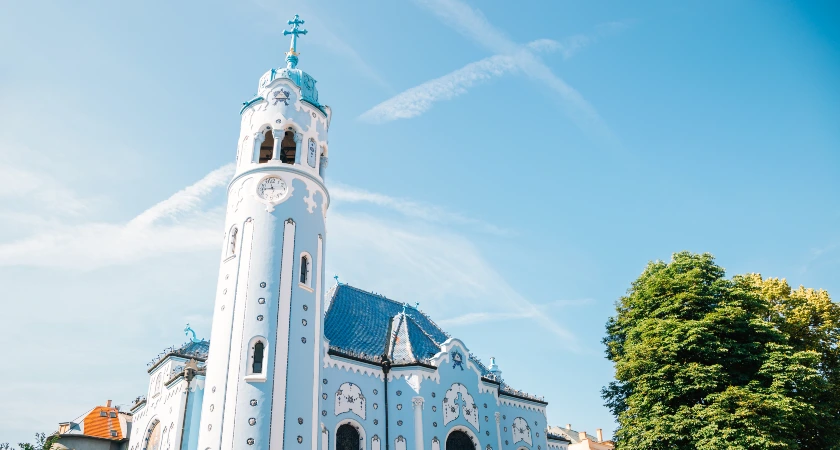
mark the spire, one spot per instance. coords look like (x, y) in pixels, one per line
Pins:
(292, 55)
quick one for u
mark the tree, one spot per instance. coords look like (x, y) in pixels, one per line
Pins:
(42, 442)
(702, 363)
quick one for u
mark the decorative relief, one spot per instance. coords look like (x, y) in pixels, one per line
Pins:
(457, 360)
(400, 443)
(375, 444)
(521, 431)
(280, 96)
(435, 443)
(457, 399)
(311, 153)
(349, 397)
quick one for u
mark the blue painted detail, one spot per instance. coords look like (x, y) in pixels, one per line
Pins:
(188, 330)
(457, 360)
(245, 105)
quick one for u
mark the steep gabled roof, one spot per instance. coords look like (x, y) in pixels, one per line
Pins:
(359, 323)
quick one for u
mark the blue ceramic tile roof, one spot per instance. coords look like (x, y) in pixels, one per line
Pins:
(357, 321)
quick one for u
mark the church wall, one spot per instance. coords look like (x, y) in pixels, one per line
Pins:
(369, 381)
(430, 391)
(164, 406)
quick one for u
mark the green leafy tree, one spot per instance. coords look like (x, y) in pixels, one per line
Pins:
(702, 364)
(42, 442)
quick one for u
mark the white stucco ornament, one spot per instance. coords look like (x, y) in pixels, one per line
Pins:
(349, 397)
(521, 431)
(456, 400)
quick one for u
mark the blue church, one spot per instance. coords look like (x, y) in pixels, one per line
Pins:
(298, 365)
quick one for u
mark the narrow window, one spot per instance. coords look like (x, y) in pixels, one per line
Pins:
(259, 349)
(232, 241)
(267, 147)
(304, 269)
(288, 148)
(113, 415)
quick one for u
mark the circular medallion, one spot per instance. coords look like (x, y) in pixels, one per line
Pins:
(261, 301)
(250, 441)
(252, 421)
(253, 402)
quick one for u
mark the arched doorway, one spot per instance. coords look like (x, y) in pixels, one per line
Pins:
(458, 440)
(347, 438)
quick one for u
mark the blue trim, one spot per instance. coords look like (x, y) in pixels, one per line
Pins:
(245, 105)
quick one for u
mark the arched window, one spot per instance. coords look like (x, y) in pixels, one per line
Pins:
(288, 147)
(305, 269)
(347, 438)
(232, 241)
(458, 440)
(267, 147)
(259, 351)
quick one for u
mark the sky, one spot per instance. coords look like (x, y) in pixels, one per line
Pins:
(510, 166)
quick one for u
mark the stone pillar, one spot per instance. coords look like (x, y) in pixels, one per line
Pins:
(498, 433)
(278, 142)
(298, 146)
(418, 422)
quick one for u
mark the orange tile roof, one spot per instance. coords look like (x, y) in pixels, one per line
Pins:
(98, 426)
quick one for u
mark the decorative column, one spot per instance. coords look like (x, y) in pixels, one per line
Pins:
(298, 146)
(498, 434)
(418, 422)
(278, 143)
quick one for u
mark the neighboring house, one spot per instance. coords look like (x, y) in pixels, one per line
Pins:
(580, 440)
(101, 428)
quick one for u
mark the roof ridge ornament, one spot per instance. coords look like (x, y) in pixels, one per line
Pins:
(188, 330)
(292, 55)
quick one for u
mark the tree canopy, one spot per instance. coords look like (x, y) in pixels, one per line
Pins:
(706, 362)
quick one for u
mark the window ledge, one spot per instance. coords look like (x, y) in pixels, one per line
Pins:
(303, 286)
(255, 378)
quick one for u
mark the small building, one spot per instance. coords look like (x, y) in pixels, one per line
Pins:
(581, 440)
(101, 428)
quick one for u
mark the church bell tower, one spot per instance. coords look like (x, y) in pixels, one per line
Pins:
(261, 389)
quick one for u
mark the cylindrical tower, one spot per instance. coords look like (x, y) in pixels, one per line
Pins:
(262, 371)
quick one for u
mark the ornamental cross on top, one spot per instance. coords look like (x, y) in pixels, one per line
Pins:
(291, 57)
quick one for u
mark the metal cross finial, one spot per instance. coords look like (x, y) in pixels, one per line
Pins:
(291, 57)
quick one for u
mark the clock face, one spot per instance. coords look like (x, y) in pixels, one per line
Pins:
(272, 188)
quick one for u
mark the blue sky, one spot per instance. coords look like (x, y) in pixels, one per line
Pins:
(511, 168)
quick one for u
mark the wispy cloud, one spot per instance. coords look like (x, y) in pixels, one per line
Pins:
(95, 244)
(509, 57)
(440, 268)
(409, 208)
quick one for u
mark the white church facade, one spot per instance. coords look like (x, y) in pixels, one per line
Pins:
(297, 362)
